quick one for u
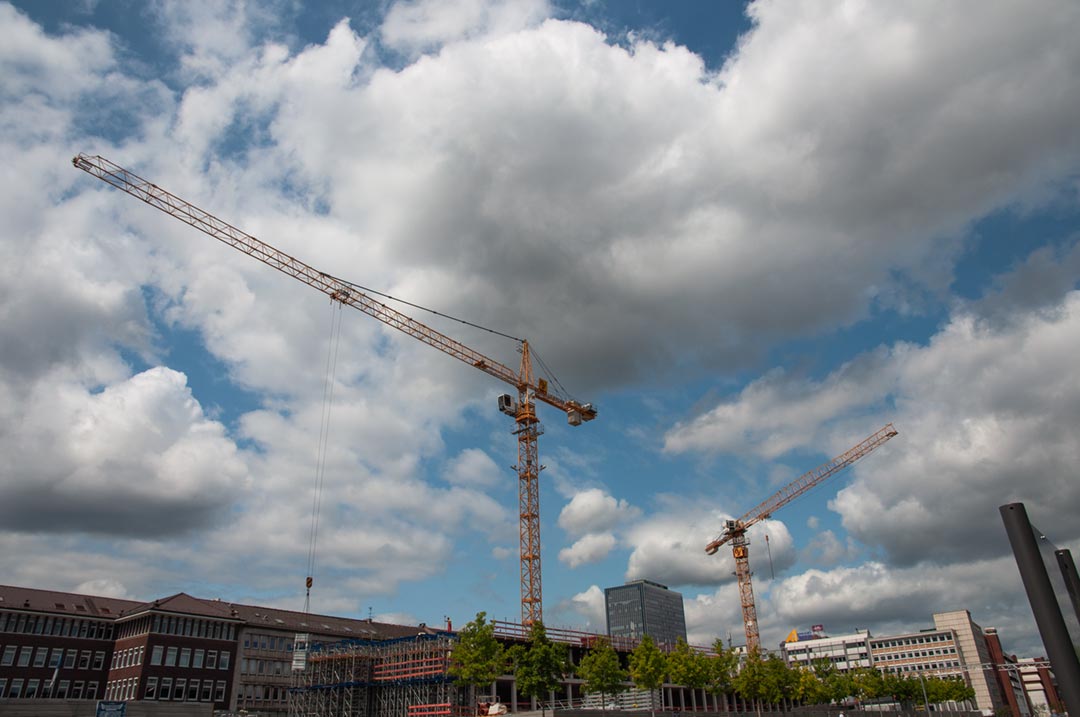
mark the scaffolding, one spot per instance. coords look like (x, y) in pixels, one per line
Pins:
(406, 677)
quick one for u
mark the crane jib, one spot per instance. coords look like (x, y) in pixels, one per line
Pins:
(221, 230)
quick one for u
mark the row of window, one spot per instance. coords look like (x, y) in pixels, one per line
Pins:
(261, 693)
(264, 667)
(41, 656)
(43, 689)
(192, 627)
(25, 624)
(923, 667)
(187, 657)
(182, 690)
(267, 642)
(909, 641)
(129, 657)
(916, 653)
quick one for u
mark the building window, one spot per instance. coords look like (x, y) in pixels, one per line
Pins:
(166, 689)
(197, 663)
(207, 688)
(41, 656)
(9, 656)
(91, 691)
(99, 660)
(3, 686)
(170, 657)
(211, 659)
(77, 690)
(16, 688)
(193, 691)
(32, 689)
(24, 656)
(219, 691)
(151, 689)
(223, 663)
(185, 657)
(62, 693)
(155, 656)
(69, 659)
(178, 693)
(84, 660)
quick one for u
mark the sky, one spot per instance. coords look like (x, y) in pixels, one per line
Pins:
(750, 235)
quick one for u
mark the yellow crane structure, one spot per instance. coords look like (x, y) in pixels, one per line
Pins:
(530, 389)
(735, 529)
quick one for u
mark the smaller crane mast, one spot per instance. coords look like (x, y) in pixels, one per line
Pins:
(735, 529)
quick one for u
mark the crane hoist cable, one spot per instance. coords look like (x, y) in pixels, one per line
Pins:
(329, 382)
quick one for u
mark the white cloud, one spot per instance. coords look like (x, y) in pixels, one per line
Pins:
(980, 411)
(608, 200)
(590, 548)
(413, 25)
(595, 511)
(474, 467)
(591, 607)
(145, 439)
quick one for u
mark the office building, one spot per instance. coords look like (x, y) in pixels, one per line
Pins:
(846, 652)
(56, 645)
(642, 607)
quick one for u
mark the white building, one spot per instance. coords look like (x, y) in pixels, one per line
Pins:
(846, 652)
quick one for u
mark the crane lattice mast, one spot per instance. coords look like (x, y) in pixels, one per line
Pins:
(735, 530)
(528, 427)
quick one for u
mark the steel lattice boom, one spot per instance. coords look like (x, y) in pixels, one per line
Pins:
(735, 530)
(529, 391)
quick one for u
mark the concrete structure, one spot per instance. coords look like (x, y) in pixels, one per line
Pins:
(642, 607)
(975, 655)
(64, 646)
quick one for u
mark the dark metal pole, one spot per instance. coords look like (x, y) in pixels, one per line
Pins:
(1072, 580)
(1044, 605)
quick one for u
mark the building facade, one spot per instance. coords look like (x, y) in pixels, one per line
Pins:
(181, 648)
(1040, 686)
(975, 656)
(846, 652)
(642, 607)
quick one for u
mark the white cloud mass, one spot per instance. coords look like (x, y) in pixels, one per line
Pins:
(646, 221)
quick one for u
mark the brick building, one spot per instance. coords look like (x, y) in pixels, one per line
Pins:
(56, 645)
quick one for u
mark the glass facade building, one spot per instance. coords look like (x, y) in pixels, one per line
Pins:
(642, 607)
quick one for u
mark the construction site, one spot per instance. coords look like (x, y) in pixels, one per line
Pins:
(363, 678)
(409, 677)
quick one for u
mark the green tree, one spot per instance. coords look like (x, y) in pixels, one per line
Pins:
(750, 682)
(477, 659)
(600, 671)
(867, 683)
(689, 668)
(722, 669)
(539, 665)
(648, 665)
(809, 689)
(778, 680)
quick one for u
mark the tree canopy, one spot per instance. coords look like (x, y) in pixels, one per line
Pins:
(539, 665)
(477, 659)
(601, 672)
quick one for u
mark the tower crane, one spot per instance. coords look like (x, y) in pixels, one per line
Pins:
(530, 389)
(735, 529)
